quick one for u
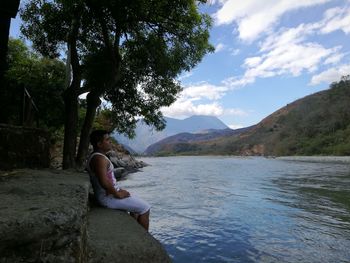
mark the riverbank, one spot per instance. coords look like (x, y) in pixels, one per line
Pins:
(317, 159)
(46, 217)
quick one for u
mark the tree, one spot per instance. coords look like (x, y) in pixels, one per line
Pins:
(8, 10)
(104, 119)
(127, 51)
(53, 26)
(42, 77)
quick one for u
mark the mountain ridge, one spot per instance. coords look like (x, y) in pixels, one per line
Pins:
(318, 124)
(186, 137)
(145, 135)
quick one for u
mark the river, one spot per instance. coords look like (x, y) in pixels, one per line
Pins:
(232, 209)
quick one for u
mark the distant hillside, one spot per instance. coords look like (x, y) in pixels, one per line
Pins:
(318, 124)
(145, 135)
(183, 138)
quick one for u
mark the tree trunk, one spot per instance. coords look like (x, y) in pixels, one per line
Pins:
(70, 128)
(93, 101)
(70, 97)
(4, 37)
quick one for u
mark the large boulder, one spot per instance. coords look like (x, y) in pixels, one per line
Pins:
(43, 216)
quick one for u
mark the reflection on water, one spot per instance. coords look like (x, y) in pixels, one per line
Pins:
(221, 209)
(323, 192)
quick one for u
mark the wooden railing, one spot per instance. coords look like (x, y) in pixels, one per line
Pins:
(30, 111)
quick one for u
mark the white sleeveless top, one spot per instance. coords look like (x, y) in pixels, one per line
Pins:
(99, 191)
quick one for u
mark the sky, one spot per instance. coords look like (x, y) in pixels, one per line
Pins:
(267, 54)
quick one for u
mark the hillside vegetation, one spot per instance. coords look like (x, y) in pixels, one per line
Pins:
(318, 124)
(185, 138)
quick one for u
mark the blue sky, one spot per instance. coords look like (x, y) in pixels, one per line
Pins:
(267, 54)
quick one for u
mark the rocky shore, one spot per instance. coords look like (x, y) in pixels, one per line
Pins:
(124, 163)
(46, 217)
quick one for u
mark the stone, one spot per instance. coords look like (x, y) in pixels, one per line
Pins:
(46, 217)
(114, 236)
(43, 216)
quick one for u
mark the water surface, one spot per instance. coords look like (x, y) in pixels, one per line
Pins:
(227, 209)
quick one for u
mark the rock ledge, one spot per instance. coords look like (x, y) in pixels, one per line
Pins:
(45, 217)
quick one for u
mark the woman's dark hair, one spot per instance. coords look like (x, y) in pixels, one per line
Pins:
(97, 136)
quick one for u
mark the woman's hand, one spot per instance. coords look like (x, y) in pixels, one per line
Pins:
(122, 194)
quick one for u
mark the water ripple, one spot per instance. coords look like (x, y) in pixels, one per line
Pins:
(226, 209)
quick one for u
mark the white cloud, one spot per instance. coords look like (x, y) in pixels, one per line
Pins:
(236, 82)
(286, 59)
(289, 36)
(292, 59)
(336, 19)
(331, 75)
(186, 108)
(192, 101)
(288, 52)
(235, 126)
(219, 47)
(212, 109)
(252, 61)
(254, 17)
(334, 59)
(203, 90)
(213, 2)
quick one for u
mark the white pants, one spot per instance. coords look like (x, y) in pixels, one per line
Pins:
(131, 204)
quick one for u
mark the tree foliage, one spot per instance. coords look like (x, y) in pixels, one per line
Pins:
(44, 80)
(128, 52)
(104, 120)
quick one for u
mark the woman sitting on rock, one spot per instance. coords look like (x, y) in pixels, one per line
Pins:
(106, 189)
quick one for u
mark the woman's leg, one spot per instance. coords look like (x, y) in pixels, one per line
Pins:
(134, 205)
(144, 220)
(134, 215)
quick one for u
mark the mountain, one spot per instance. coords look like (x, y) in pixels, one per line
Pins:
(145, 135)
(318, 124)
(179, 139)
